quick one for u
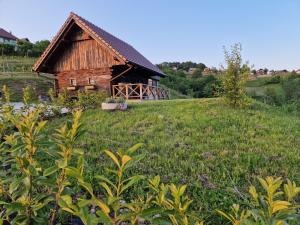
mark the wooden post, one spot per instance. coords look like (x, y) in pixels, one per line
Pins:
(141, 91)
(113, 90)
(126, 90)
(148, 91)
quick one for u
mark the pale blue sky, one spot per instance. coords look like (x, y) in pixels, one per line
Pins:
(175, 30)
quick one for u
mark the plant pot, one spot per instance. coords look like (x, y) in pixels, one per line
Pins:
(122, 106)
(71, 88)
(89, 87)
(110, 106)
(114, 106)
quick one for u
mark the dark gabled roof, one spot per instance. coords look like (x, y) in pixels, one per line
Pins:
(5, 34)
(124, 50)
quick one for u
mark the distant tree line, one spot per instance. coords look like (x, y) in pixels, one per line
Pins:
(183, 65)
(195, 84)
(24, 48)
(280, 90)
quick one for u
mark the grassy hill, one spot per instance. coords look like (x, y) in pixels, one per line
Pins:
(260, 85)
(15, 73)
(214, 149)
(17, 81)
(16, 63)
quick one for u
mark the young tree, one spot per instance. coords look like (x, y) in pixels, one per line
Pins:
(235, 77)
(39, 47)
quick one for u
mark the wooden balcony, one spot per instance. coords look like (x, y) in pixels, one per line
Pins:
(139, 92)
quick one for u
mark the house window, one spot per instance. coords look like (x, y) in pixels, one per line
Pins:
(91, 81)
(72, 82)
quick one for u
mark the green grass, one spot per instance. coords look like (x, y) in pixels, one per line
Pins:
(16, 63)
(261, 90)
(263, 87)
(214, 149)
(258, 82)
(15, 73)
(17, 81)
(175, 94)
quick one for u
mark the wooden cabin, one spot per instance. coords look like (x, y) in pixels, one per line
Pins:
(83, 56)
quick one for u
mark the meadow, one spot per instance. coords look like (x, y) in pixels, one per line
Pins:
(15, 73)
(16, 63)
(216, 150)
(18, 81)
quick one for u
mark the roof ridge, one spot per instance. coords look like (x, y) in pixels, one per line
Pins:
(7, 34)
(103, 30)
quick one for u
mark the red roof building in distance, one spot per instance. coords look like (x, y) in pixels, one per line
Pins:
(7, 37)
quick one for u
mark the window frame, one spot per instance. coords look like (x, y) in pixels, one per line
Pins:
(91, 81)
(71, 83)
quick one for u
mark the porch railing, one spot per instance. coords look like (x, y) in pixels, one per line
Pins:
(140, 91)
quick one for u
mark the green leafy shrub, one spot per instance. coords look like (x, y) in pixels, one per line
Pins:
(274, 80)
(110, 100)
(32, 193)
(164, 204)
(83, 100)
(277, 204)
(6, 109)
(120, 100)
(291, 88)
(273, 97)
(196, 86)
(90, 99)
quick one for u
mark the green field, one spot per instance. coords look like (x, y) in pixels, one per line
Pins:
(16, 63)
(214, 149)
(17, 81)
(15, 73)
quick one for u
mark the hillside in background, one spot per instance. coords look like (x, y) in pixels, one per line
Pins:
(196, 80)
(15, 73)
(191, 79)
(280, 90)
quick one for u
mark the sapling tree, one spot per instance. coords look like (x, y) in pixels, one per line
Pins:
(65, 139)
(235, 77)
(23, 200)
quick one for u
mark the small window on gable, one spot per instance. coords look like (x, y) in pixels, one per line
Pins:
(91, 81)
(72, 82)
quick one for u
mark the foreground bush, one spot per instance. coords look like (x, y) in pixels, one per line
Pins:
(32, 193)
(83, 100)
(277, 204)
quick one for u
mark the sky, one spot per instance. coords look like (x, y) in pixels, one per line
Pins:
(175, 30)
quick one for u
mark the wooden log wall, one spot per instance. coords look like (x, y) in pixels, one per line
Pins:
(101, 78)
(79, 51)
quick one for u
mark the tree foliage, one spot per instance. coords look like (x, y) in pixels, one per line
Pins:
(24, 48)
(235, 77)
(195, 86)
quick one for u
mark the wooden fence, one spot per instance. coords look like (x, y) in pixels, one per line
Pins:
(139, 91)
